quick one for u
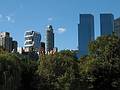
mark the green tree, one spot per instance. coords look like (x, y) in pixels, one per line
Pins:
(58, 71)
(9, 72)
(101, 68)
(28, 69)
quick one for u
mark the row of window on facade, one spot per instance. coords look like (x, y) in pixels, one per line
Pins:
(7, 42)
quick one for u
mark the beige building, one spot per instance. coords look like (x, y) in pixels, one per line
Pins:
(7, 42)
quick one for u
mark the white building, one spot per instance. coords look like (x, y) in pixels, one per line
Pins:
(32, 41)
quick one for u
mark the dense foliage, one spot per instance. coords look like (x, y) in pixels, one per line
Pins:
(99, 70)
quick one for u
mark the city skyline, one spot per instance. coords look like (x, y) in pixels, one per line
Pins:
(18, 16)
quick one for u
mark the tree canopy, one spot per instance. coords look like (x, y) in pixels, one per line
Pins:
(99, 70)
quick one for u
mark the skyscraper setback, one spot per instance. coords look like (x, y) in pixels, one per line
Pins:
(106, 24)
(49, 38)
(85, 33)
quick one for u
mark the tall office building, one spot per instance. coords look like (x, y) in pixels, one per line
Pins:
(32, 41)
(6, 41)
(117, 27)
(106, 24)
(49, 39)
(85, 33)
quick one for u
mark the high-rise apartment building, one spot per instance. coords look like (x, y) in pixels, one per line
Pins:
(85, 33)
(32, 41)
(117, 27)
(49, 38)
(6, 41)
(106, 24)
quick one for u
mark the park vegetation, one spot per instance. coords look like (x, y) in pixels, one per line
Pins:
(99, 70)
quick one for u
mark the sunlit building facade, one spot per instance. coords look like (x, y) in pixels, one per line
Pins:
(6, 41)
(32, 41)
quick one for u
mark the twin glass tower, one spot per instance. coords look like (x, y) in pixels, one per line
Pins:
(86, 31)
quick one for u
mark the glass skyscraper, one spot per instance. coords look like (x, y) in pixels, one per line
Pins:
(106, 24)
(85, 33)
(6, 41)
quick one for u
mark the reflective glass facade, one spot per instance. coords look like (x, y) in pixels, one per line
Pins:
(85, 33)
(106, 24)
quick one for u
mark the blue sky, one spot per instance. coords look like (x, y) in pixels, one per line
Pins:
(17, 16)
